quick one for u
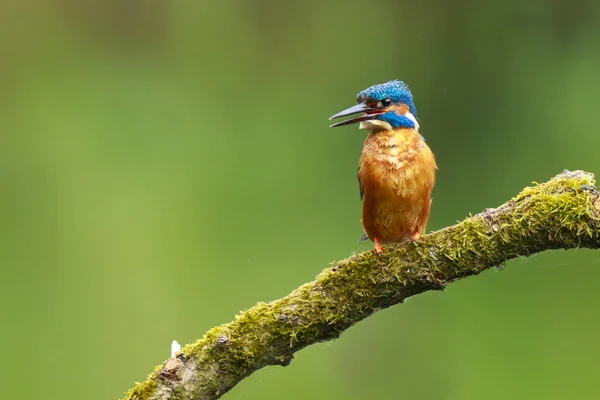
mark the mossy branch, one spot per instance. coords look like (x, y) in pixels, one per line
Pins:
(562, 213)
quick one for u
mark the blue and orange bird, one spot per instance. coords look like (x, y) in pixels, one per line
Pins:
(396, 171)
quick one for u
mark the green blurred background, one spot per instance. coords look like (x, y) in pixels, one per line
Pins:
(165, 164)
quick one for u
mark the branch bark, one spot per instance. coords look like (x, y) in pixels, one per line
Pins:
(561, 213)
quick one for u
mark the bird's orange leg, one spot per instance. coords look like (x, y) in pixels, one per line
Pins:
(415, 236)
(378, 248)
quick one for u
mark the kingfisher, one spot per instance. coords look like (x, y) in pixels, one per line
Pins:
(396, 171)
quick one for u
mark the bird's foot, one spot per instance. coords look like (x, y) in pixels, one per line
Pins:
(378, 248)
(415, 237)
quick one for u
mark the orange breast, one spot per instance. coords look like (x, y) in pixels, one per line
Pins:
(397, 173)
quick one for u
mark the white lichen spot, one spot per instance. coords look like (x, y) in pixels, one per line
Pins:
(175, 348)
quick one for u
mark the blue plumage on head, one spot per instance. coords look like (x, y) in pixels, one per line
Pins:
(395, 90)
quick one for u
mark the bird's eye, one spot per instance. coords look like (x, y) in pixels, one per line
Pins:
(386, 102)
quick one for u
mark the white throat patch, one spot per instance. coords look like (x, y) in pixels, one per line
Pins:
(378, 125)
(375, 125)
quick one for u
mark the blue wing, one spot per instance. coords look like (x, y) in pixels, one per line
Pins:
(362, 193)
(360, 186)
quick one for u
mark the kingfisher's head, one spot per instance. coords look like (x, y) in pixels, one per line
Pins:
(383, 107)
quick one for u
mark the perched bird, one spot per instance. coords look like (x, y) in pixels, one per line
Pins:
(396, 171)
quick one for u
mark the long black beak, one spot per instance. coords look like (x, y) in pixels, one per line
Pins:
(370, 113)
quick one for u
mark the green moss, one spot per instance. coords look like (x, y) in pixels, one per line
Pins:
(177, 394)
(144, 390)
